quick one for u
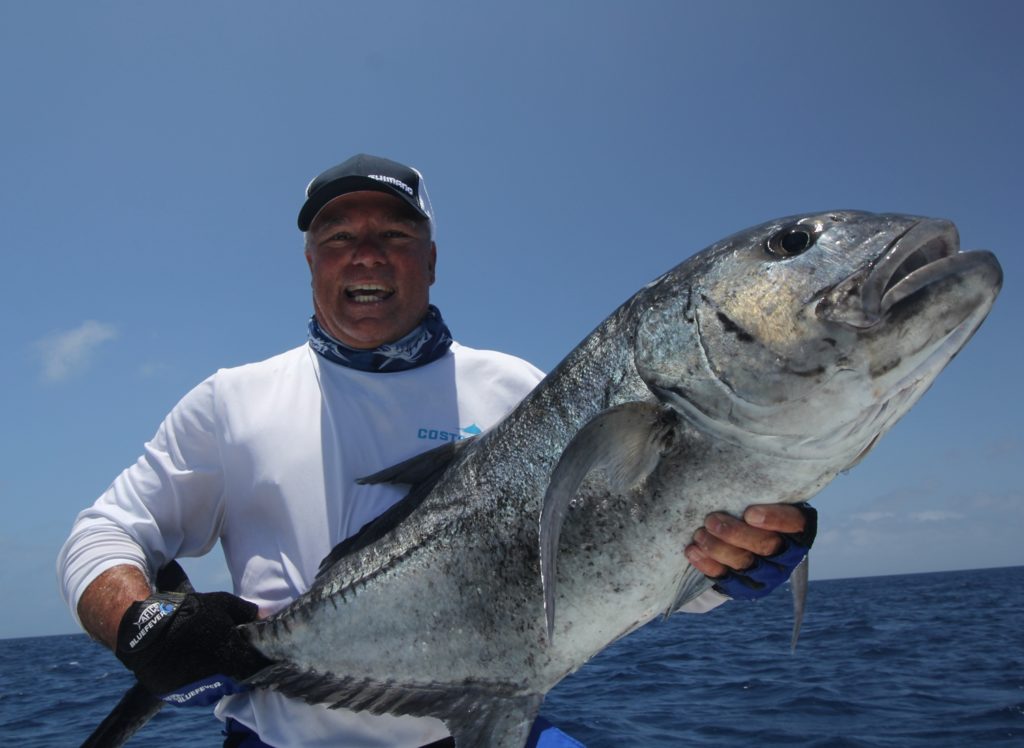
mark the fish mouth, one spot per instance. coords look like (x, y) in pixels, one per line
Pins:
(368, 293)
(923, 256)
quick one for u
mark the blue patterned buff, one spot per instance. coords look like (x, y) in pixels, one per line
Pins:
(427, 342)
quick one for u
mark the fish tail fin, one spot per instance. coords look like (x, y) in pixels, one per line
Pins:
(135, 709)
(138, 705)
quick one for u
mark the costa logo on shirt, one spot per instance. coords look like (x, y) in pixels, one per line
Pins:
(447, 435)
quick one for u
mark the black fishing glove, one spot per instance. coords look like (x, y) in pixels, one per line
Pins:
(185, 647)
(768, 572)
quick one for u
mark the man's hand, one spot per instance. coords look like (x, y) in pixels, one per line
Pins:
(185, 647)
(749, 558)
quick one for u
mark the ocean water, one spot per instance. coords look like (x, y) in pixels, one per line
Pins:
(913, 660)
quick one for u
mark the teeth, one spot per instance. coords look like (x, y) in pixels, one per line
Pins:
(368, 292)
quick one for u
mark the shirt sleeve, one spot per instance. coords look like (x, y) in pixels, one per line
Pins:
(168, 504)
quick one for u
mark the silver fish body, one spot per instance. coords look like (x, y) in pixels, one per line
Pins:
(753, 372)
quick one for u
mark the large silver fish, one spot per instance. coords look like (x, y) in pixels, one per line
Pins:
(755, 371)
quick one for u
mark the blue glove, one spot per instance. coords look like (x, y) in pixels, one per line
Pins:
(768, 572)
(204, 691)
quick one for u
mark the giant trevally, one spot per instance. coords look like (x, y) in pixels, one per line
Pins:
(755, 371)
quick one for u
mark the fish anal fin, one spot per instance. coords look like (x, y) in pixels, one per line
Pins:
(502, 723)
(627, 442)
(477, 714)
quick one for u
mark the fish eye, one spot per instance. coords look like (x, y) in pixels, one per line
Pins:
(792, 241)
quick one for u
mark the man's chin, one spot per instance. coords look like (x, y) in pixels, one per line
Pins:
(368, 334)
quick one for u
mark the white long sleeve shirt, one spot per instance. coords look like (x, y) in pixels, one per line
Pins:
(264, 458)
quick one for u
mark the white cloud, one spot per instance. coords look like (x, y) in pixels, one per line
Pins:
(959, 531)
(872, 516)
(936, 516)
(151, 369)
(66, 353)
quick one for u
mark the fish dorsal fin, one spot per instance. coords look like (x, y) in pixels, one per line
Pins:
(627, 442)
(422, 473)
(422, 467)
(496, 715)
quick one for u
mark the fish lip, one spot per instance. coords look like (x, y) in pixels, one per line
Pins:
(924, 254)
(927, 252)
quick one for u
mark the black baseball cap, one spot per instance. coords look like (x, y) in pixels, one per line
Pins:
(365, 172)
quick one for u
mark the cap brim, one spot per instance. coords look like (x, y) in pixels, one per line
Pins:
(343, 186)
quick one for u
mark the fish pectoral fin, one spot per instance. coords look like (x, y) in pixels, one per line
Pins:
(627, 442)
(477, 714)
(798, 586)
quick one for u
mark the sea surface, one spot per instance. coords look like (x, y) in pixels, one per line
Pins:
(914, 660)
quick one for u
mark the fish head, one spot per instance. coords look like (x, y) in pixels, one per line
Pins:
(813, 334)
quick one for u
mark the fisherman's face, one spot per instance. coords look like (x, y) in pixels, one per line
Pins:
(372, 262)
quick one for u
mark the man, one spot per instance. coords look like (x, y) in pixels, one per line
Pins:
(264, 458)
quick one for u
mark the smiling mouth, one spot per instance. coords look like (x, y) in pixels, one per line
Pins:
(369, 293)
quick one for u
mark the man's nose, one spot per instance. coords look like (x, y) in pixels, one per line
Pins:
(368, 250)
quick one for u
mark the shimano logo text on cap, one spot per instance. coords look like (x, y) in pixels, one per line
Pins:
(365, 172)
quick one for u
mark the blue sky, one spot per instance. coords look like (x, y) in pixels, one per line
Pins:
(154, 157)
